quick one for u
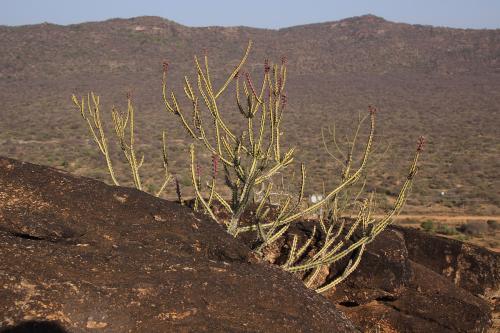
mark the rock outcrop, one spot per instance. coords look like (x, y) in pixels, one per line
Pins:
(80, 256)
(394, 290)
(470, 267)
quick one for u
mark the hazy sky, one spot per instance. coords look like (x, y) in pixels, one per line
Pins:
(255, 13)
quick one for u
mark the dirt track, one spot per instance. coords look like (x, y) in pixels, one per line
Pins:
(446, 218)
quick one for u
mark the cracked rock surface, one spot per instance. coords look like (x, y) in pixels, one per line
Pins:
(77, 255)
(398, 288)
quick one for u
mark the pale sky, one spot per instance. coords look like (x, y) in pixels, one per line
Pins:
(255, 13)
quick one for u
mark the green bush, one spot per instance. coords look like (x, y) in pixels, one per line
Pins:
(462, 237)
(428, 226)
(444, 229)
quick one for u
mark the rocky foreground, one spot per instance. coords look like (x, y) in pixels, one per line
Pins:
(77, 255)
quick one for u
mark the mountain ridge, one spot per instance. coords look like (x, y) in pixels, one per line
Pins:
(362, 44)
(364, 17)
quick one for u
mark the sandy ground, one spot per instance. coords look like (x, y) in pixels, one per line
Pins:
(447, 218)
(490, 240)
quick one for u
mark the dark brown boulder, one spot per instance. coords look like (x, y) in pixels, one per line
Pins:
(429, 304)
(384, 273)
(78, 255)
(390, 292)
(471, 267)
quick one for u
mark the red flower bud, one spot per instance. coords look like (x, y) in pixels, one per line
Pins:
(267, 68)
(249, 81)
(420, 144)
(284, 100)
(372, 109)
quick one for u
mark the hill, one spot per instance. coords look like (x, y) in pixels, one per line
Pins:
(439, 82)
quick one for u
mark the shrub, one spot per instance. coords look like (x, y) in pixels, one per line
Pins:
(428, 226)
(462, 237)
(474, 228)
(251, 162)
(493, 225)
(444, 229)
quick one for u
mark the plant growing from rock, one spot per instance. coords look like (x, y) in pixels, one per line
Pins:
(346, 221)
(252, 158)
(250, 162)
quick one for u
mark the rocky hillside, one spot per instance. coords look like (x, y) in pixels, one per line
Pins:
(82, 256)
(439, 82)
(366, 44)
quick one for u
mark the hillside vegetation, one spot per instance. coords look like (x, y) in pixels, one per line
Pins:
(439, 82)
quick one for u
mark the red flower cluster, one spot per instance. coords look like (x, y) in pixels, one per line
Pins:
(284, 100)
(420, 144)
(249, 81)
(267, 68)
(372, 109)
